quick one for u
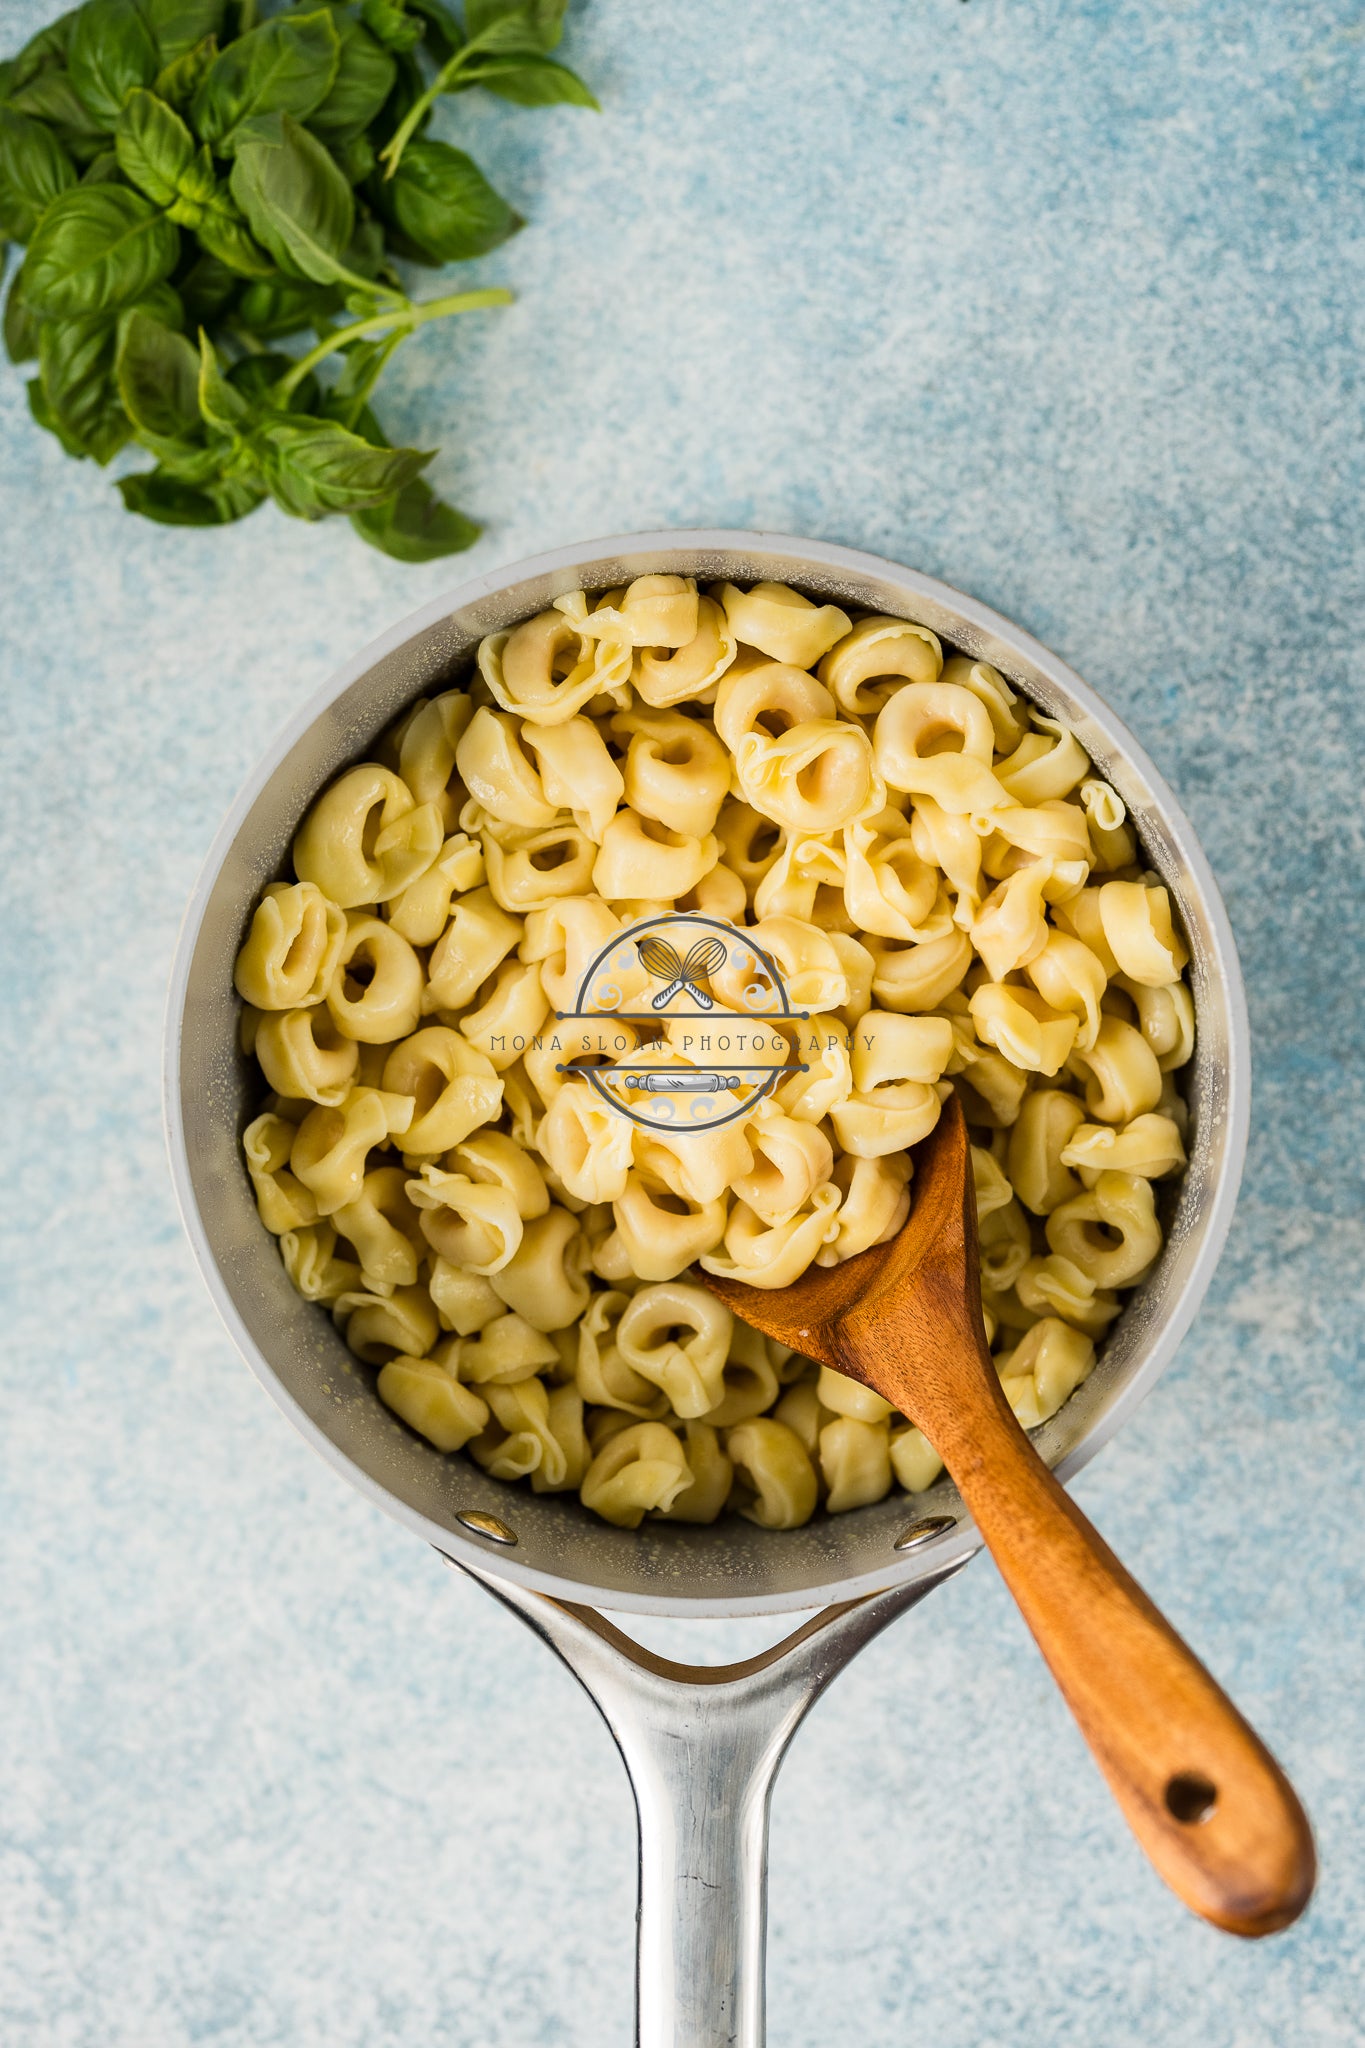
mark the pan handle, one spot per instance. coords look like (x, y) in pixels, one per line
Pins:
(702, 1745)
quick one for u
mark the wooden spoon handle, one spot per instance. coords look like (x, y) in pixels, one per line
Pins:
(1209, 1804)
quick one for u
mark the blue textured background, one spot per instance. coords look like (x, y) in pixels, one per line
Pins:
(1064, 306)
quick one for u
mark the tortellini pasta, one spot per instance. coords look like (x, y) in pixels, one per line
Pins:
(954, 902)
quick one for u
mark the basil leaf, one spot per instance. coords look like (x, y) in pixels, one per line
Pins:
(286, 66)
(20, 326)
(76, 366)
(441, 200)
(34, 168)
(514, 24)
(365, 252)
(415, 525)
(202, 461)
(199, 185)
(181, 26)
(44, 52)
(365, 77)
(48, 420)
(285, 304)
(533, 82)
(102, 170)
(159, 495)
(50, 96)
(390, 23)
(410, 86)
(223, 232)
(313, 467)
(97, 248)
(112, 52)
(356, 159)
(208, 288)
(155, 148)
(179, 81)
(444, 35)
(221, 405)
(163, 302)
(297, 203)
(155, 495)
(256, 377)
(157, 372)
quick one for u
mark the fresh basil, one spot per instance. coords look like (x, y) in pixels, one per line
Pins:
(533, 82)
(285, 304)
(76, 368)
(34, 168)
(514, 24)
(44, 52)
(414, 525)
(286, 66)
(163, 302)
(296, 202)
(154, 147)
(256, 377)
(221, 405)
(181, 26)
(50, 96)
(179, 81)
(97, 248)
(191, 181)
(366, 74)
(443, 34)
(390, 24)
(367, 258)
(157, 372)
(47, 419)
(223, 232)
(409, 89)
(160, 495)
(356, 159)
(20, 326)
(442, 202)
(112, 52)
(103, 169)
(208, 289)
(313, 467)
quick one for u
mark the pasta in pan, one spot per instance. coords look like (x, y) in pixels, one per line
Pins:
(954, 902)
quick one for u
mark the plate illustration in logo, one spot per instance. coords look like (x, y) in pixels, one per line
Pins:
(682, 1023)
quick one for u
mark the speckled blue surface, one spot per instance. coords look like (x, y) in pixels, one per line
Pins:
(1063, 306)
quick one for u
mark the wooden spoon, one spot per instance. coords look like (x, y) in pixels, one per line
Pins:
(1206, 1800)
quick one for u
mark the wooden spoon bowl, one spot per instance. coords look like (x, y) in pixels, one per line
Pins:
(1208, 1803)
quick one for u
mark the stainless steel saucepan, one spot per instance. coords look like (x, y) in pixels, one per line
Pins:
(702, 1745)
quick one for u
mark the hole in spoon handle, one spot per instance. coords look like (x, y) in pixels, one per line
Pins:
(1190, 1797)
(1208, 1803)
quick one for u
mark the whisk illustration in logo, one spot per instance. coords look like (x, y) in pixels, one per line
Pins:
(679, 1024)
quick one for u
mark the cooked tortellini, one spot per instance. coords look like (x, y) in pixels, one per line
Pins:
(954, 903)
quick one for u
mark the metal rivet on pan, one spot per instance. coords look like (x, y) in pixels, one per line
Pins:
(924, 1532)
(487, 1526)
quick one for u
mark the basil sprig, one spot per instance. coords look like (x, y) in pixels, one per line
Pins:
(188, 183)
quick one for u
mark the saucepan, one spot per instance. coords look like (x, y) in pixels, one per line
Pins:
(702, 1744)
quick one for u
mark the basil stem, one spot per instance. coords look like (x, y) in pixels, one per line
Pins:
(407, 320)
